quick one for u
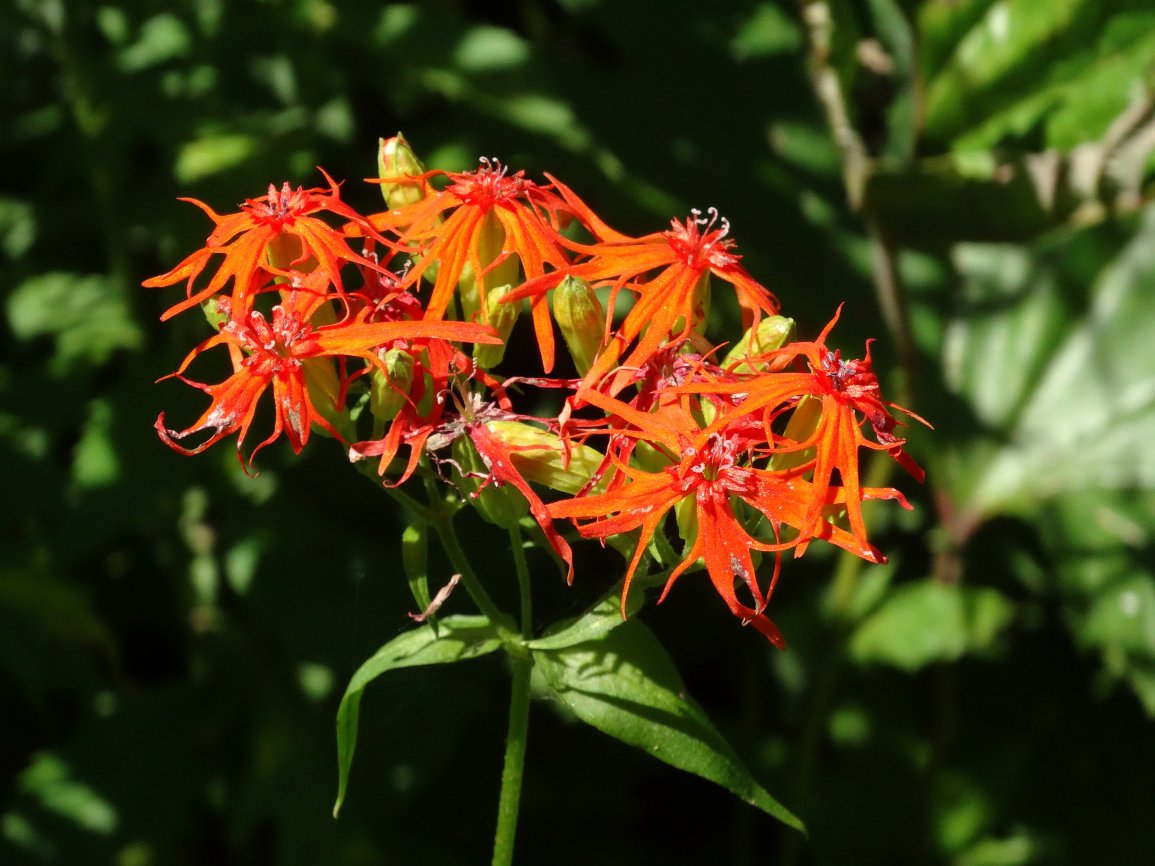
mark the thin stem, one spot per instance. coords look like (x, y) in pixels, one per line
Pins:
(513, 771)
(522, 569)
(460, 562)
(441, 520)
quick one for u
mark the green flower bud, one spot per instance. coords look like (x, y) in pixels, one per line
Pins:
(490, 245)
(285, 251)
(214, 315)
(771, 332)
(388, 388)
(801, 426)
(395, 159)
(648, 458)
(415, 560)
(501, 317)
(324, 387)
(501, 505)
(540, 457)
(686, 515)
(581, 318)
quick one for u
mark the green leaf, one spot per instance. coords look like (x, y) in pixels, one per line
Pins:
(601, 618)
(926, 622)
(625, 684)
(87, 314)
(1000, 70)
(1100, 546)
(458, 638)
(1067, 401)
(211, 154)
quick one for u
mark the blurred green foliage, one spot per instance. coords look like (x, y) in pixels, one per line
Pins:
(174, 636)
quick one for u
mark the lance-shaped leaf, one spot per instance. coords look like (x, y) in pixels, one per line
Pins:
(625, 684)
(457, 638)
(593, 624)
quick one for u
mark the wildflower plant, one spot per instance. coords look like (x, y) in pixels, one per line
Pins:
(685, 451)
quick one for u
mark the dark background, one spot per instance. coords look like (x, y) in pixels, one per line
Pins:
(174, 637)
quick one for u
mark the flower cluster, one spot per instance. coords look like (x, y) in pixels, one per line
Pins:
(388, 332)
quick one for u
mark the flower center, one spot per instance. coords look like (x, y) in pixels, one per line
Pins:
(279, 206)
(490, 184)
(853, 377)
(276, 346)
(698, 244)
(713, 472)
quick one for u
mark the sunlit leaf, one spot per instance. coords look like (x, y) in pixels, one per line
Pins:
(625, 684)
(601, 618)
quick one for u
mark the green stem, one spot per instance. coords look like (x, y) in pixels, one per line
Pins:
(522, 569)
(441, 520)
(446, 532)
(513, 771)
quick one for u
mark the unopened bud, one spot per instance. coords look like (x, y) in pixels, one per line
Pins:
(490, 248)
(498, 503)
(686, 516)
(501, 317)
(395, 159)
(217, 309)
(542, 458)
(388, 388)
(771, 332)
(324, 387)
(800, 428)
(287, 251)
(580, 317)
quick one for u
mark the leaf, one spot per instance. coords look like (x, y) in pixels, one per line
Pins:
(601, 618)
(458, 638)
(999, 70)
(1067, 401)
(87, 315)
(1100, 546)
(625, 684)
(926, 622)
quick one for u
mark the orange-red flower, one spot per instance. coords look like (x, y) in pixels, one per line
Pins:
(714, 466)
(276, 353)
(482, 219)
(669, 299)
(244, 240)
(849, 394)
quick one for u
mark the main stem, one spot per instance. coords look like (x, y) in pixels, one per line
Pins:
(513, 771)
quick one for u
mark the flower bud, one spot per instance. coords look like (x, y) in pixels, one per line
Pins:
(501, 317)
(388, 388)
(686, 516)
(287, 251)
(580, 317)
(490, 247)
(700, 308)
(395, 159)
(541, 458)
(498, 503)
(324, 387)
(771, 332)
(801, 426)
(217, 310)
